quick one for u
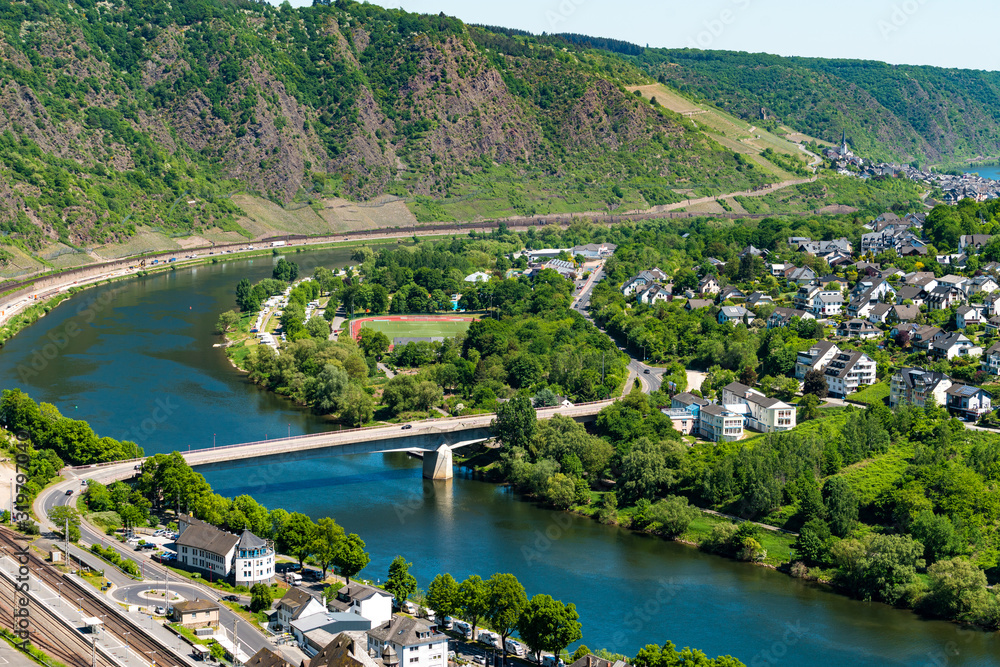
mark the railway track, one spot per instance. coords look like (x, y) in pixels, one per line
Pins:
(137, 639)
(49, 633)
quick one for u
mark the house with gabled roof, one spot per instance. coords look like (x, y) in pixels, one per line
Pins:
(765, 415)
(952, 345)
(944, 297)
(735, 314)
(968, 315)
(847, 372)
(968, 401)
(417, 642)
(709, 285)
(815, 358)
(915, 385)
(857, 328)
(296, 603)
(642, 279)
(991, 359)
(902, 314)
(973, 242)
(781, 317)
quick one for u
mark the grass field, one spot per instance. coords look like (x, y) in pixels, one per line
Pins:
(415, 326)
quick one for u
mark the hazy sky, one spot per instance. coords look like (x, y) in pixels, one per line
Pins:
(958, 33)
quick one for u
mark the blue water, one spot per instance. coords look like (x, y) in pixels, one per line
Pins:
(989, 171)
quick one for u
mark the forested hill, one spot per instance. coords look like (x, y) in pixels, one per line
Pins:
(930, 114)
(121, 113)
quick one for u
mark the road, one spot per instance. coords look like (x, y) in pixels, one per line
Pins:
(650, 377)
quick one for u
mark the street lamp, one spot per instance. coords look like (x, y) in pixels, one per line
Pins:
(127, 633)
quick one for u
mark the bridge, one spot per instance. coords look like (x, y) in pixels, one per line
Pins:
(437, 438)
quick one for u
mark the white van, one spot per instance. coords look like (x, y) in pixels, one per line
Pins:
(409, 608)
(550, 661)
(293, 578)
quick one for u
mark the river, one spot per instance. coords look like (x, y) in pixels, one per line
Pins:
(141, 364)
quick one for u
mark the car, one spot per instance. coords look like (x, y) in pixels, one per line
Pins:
(69, 492)
(160, 611)
(479, 659)
(231, 598)
(84, 482)
(550, 661)
(407, 426)
(138, 467)
(646, 371)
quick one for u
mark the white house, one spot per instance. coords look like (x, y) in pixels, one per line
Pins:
(641, 280)
(955, 344)
(368, 601)
(218, 554)
(653, 294)
(416, 642)
(719, 423)
(765, 414)
(815, 358)
(849, 371)
(967, 401)
(862, 329)
(966, 315)
(296, 603)
(734, 314)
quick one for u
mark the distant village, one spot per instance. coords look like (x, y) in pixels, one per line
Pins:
(955, 187)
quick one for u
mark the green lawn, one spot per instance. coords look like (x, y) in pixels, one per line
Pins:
(442, 328)
(873, 395)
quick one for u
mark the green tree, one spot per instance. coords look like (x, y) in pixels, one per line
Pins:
(957, 590)
(815, 383)
(328, 537)
(808, 408)
(351, 556)
(473, 596)
(561, 491)
(285, 270)
(298, 536)
(841, 505)
(505, 602)
(327, 391)
(60, 515)
(515, 423)
(443, 596)
(937, 534)
(356, 406)
(227, 321)
(260, 598)
(246, 298)
(673, 514)
(811, 543)
(400, 583)
(374, 343)
(548, 625)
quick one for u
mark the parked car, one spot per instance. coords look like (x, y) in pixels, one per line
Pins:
(479, 659)
(550, 661)
(231, 598)
(160, 611)
(408, 607)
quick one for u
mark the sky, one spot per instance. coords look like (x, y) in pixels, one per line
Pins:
(958, 33)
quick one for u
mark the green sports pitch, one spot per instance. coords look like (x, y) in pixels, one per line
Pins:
(393, 329)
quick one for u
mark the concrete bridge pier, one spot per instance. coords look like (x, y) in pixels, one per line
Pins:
(438, 463)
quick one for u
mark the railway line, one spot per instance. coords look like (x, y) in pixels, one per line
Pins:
(49, 633)
(115, 623)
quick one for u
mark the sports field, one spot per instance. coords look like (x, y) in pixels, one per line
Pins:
(414, 326)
